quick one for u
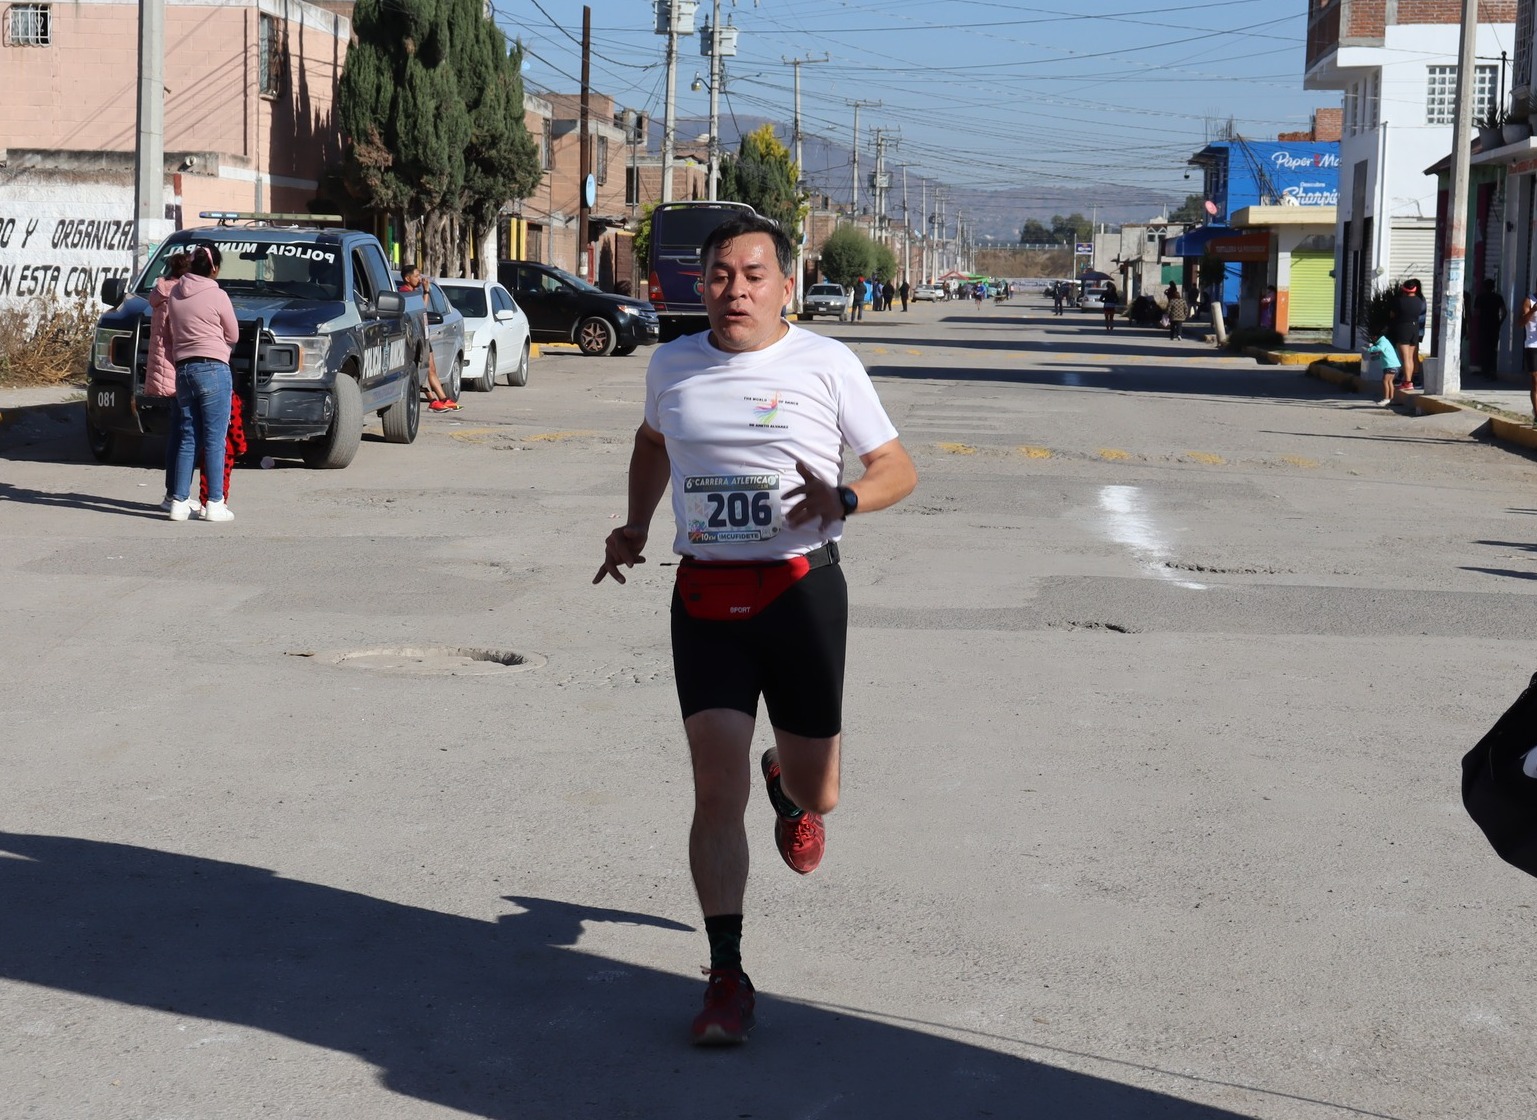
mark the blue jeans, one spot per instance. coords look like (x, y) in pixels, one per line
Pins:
(203, 391)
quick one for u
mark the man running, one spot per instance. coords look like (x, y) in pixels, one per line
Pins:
(748, 422)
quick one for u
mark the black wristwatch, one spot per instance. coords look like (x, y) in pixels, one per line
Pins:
(849, 499)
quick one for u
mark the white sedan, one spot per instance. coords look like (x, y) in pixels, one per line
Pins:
(495, 332)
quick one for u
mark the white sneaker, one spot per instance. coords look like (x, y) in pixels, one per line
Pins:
(167, 502)
(179, 511)
(1384, 402)
(218, 511)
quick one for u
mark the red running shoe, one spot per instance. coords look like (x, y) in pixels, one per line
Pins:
(728, 1009)
(799, 835)
(440, 406)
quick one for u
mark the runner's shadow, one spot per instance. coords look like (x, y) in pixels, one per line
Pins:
(503, 1019)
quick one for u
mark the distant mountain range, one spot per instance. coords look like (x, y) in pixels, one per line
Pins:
(995, 214)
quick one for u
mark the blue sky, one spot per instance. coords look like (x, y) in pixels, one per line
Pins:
(988, 93)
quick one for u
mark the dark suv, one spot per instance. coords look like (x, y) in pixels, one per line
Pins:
(324, 340)
(562, 308)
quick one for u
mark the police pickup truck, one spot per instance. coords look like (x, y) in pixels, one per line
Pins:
(325, 339)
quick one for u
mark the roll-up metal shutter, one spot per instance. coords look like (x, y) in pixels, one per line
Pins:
(1310, 301)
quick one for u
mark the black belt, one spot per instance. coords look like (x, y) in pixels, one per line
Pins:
(200, 358)
(823, 556)
(819, 557)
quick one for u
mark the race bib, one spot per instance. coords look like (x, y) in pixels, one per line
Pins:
(731, 508)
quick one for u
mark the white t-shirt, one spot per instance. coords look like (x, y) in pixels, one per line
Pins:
(736, 423)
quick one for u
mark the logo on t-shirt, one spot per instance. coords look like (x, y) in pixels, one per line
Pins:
(766, 410)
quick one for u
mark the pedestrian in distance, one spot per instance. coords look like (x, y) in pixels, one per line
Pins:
(861, 294)
(1387, 353)
(201, 328)
(1489, 314)
(1267, 305)
(1109, 299)
(904, 291)
(1406, 324)
(1528, 321)
(978, 293)
(1178, 311)
(160, 370)
(759, 607)
(412, 279)
(890, 294)
(1058, 297)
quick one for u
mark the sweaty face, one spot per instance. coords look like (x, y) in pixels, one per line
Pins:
(745, 293)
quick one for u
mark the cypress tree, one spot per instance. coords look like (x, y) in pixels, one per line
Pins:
(763, 175)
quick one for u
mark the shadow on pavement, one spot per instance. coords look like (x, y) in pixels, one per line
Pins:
(74, 500)
(45, 433)
(498, 1019)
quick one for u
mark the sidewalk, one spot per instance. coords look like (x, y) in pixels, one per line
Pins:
(1508, 407)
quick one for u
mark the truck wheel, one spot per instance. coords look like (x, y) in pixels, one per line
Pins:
(336, 448)
(487, 380)
(404, 417)
(107, 447)
(596, 337)
(519, 375)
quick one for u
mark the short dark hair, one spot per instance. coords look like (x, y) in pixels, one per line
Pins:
(406, 270)
(746, 224)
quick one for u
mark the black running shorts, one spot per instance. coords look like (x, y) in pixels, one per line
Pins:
(791, 654)
(1530, 356)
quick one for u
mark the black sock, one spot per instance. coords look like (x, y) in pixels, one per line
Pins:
(725, 934)
(781, 802)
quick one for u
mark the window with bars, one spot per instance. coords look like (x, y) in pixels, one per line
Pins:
(271, 59)
(29, 25)
(602, 168)
(1441, 93)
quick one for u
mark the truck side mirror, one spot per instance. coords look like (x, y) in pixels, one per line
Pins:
(390, 303)
(112, 290)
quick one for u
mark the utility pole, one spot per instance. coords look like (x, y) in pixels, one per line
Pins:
(670, 111)
(925, 272)
(800, 174)
(857, 106)
(881, 184)
(714, 175)
(584, 163)
(1446, 375)
(907, 230)
(942, 256)
(149, 153)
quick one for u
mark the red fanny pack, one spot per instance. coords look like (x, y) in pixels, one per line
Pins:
(727, 591)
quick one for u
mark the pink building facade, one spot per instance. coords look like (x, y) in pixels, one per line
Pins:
(249, 120)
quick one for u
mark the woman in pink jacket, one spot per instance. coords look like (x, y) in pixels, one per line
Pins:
(159, 370)
(201, 326)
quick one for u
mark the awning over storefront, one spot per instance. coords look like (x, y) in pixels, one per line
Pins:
(1192, 243)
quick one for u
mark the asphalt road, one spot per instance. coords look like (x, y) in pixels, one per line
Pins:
(1157, 692)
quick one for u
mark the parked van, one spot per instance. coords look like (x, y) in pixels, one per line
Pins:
(676, 282)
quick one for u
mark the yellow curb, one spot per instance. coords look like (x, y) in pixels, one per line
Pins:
(1113, 454)
(536, 348)
(1511, 432)
(1035, 452)
(1424, 404)
(957, 448)
(1325, 372)
(1295, 357)
(1206, 457)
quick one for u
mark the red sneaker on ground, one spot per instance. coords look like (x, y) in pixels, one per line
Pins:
(728, 1009)
(799, 835)
(439, 406)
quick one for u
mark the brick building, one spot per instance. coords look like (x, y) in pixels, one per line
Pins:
(1396, 64)
(249, 125)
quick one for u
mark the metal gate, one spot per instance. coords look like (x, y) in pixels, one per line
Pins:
(1310, 302)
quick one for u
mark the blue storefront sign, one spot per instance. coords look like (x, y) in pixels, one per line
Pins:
(1276, 173)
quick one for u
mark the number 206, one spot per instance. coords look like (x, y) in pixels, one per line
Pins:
(735, 510)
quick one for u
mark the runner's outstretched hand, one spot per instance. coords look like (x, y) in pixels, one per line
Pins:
(819, 500)
(623, 548)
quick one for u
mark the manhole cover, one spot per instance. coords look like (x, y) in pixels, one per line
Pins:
(450, 661)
